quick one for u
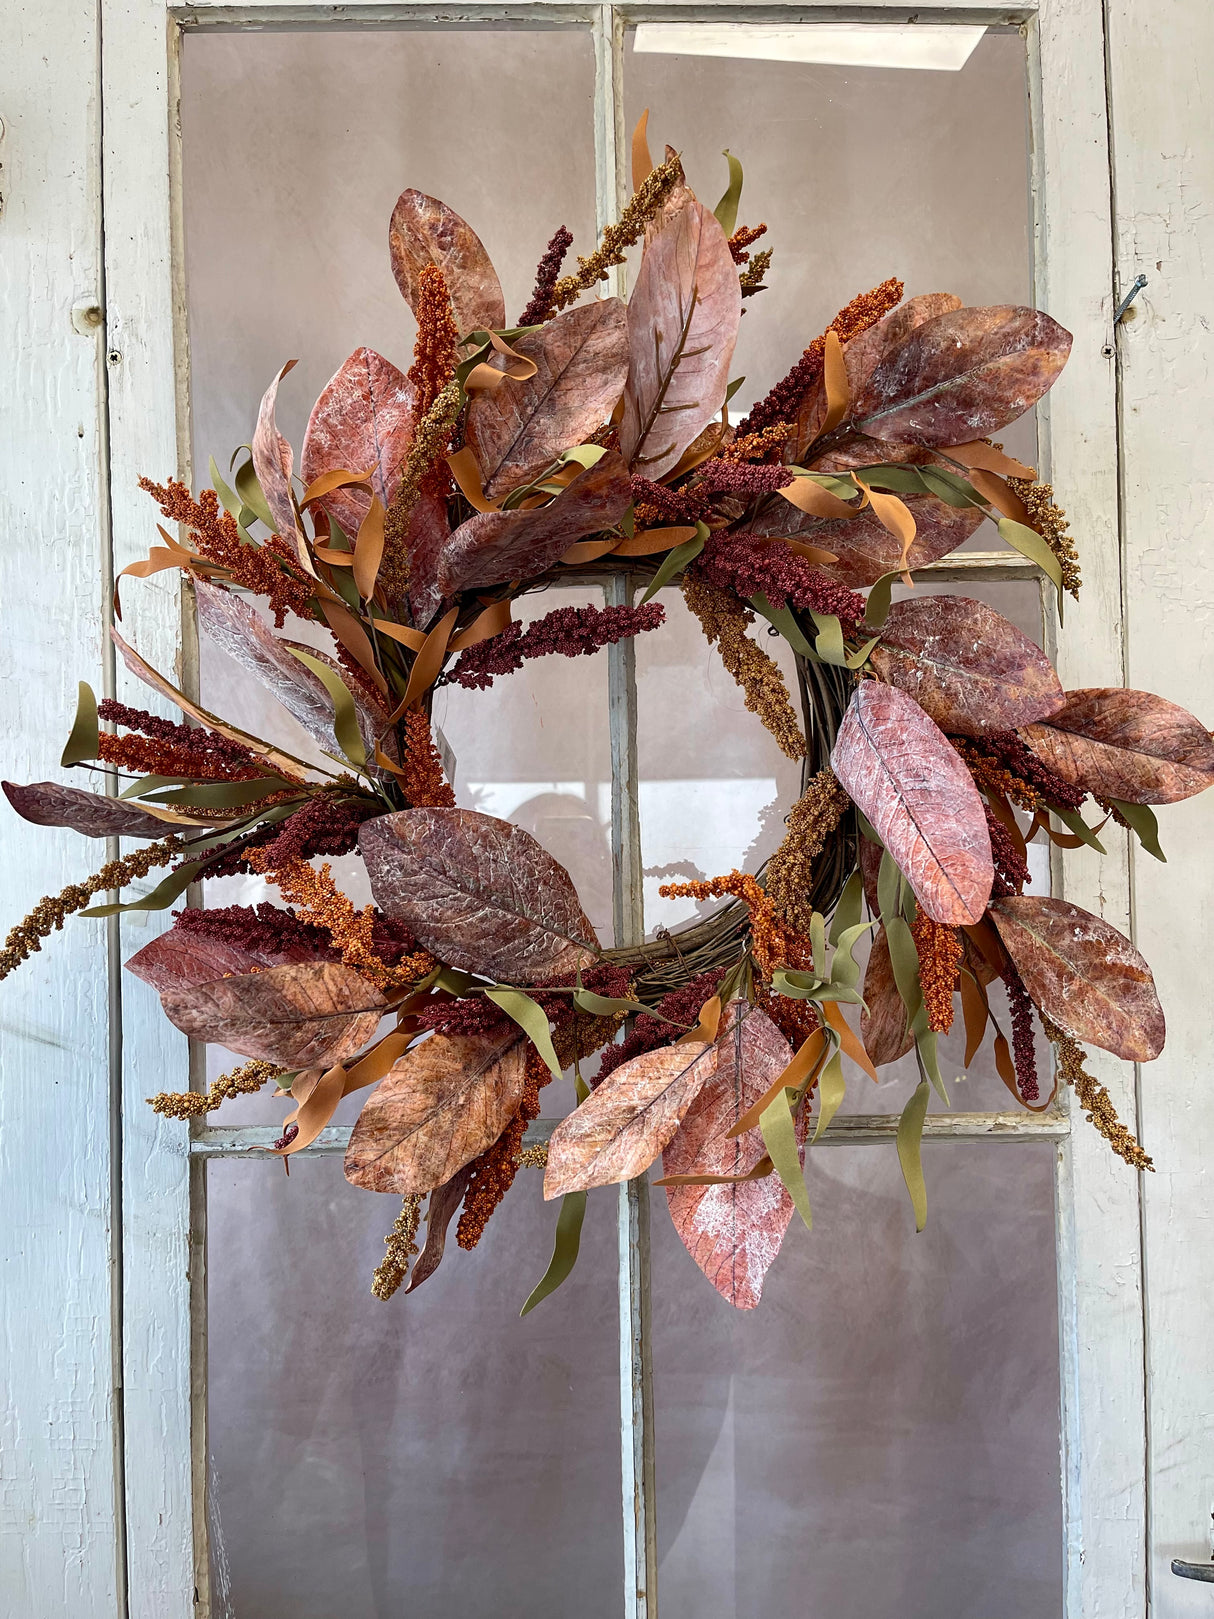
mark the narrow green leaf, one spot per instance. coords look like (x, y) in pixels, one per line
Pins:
(842, 485)
(726, 210)
(828, 643)
(221, 794)
(1030, 544)
(604, 1005)
(675, 561)
(904, 959)
(251, 492)
(926, 1042)
(564, 1251)
(817, 941)
(531, 1019)
(160, 898)
(948, 487)
(733, 388)
(845, 969)
(847, 909)
(796, 985)
(148, 784)
(879, 597)
(910, 1155)
(857, 660)
(889, 882)
(84, 740)
(787, 625)
(454, 981)
(586, 455)
(780, 1139)
(345, 717)
(228, 499)
(1079, 827)
(1142, 819)
(867, 830)
(628, 523)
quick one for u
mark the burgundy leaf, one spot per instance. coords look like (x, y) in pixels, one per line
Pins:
(425, 231)
(439, 1107)
(682, 326)
(966, 665)
(1083, 974)
(865, 547)
(429, 536)
(480, 894)
(306, 1014)
(364, 419)
(495, 546)
(883, 1022)
(272, 460)
(1126, 744)
(46, 803)
(963, 376)
(179, 959)
(444, 1201)
(909, 781)
(520, 428)
(734, 1231)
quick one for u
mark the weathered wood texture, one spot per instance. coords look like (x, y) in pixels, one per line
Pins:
(1163, 172)
(1099, 1267)
(58, 1539)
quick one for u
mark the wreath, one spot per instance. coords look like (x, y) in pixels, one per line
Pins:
(594, 434)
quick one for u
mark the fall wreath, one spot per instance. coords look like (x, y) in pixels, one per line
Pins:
(935, 737)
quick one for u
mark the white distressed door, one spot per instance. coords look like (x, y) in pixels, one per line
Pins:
(103, 1208)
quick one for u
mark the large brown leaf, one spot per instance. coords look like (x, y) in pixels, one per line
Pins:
(581, 361)
(46, 803)
(479, 893)
(1126, 744)
(438, 1108)
(304, 1015)
(444, 1200)
(272, 460)
(1083, 974)
(907, 778)
(733, 1232)
(883, 1022)
(425, 231)
(179, 959)
(966, 665)
(865, 548)
(495, 546)
(682, 326)
(364, 420)
(963, 376)
(429, 535)
(621, 1127)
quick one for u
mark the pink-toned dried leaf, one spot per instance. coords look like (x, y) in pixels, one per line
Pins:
(865, 548)
(495, 546)
(861, 357)
(180, 959)
(1126, 744)
(364, 419)
(963, 376)
(908, 779)
(479, 893)
(733, 1232)
(621, 1127)
(682, 326)
(517, 430)
(429, 535)
(306, 1014)
(883, 1022)
(1083, 974)
(870, 870)
(966, 666)
(424, 231)
(444, 1201)
(441, 1105)
(273, 460)
(47, 803)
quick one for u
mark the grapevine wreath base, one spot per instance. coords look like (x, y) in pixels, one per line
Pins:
(936, 741)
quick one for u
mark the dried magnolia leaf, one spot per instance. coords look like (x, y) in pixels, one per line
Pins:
(181, 958)
(520, 428)
(364, 420)
(907, 778)
(441, 1105)
(444, 1201)
(272, 460)
(621, 1127)
(865, 548)
(962, 376)
(424, 231)
(429, 536)
(1083, 974)
(732, 1231)
(682, 326)
(480, 894)
(46, 803)
(493, 547)
(304, 1015)
(966, 666)
(1126, 744)
(883, 1022)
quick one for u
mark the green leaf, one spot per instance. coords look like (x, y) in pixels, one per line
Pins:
(926, 1042)
(733, 388)
(857, 660)
(628, 523)
(867, 830)
(345, 719)
(1079, 827)
(780, 1139)
(564, 1251)
(796, 986)
(901, 480)
(222, 794)
(889, 882)
(847, 909)
(674, 561)
(910, 1155)
(454, 981)
(161, 897)
(1142, 819)
(251, 492)
(604, 1005)
(1030, 544)
(787, 625)
(586, 455)
(904, 959)
(845, 969)
(832, 1087)
(876, 610)
(531, 1019)
(84, 740)
(228, 499)
(828, 643)
(950, 488)
(726, 210)
(148, 784)
(842, 485)
(817, 941)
